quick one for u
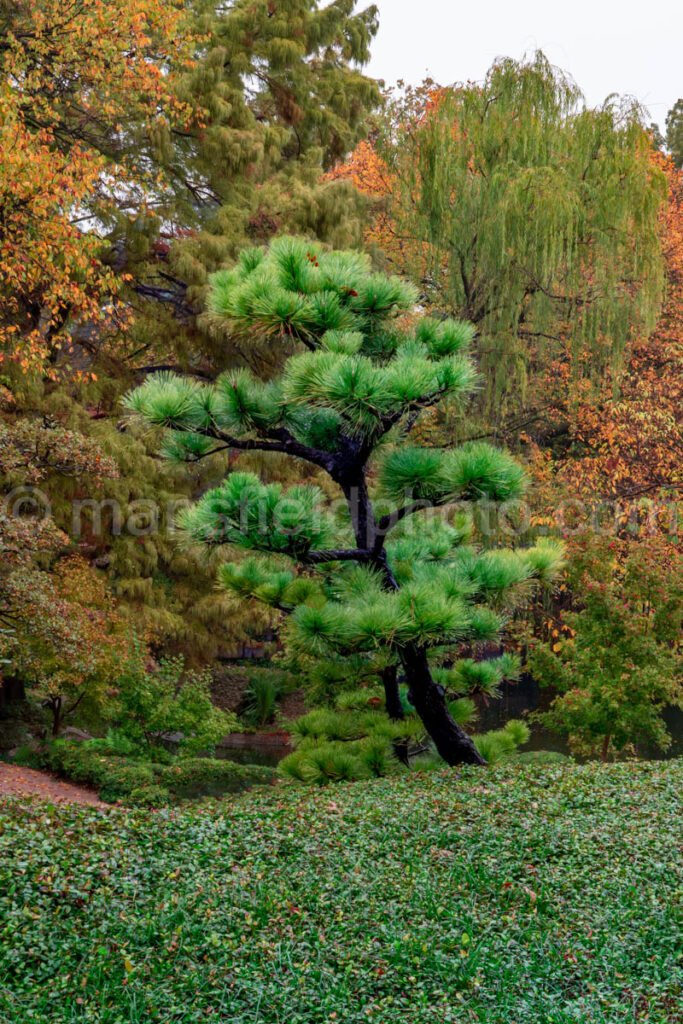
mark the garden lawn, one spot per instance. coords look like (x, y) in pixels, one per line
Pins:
(537, 894)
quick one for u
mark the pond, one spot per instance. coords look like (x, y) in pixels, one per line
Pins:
(516, 701)
(519, 699)
(254, 748)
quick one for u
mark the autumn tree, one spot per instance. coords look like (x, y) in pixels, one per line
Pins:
(348, 396)
(146, 141)
(70, 640)
(61, 635)
(75, 76)
(626, 440)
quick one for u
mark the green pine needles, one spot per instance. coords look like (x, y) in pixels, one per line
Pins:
(376, 587)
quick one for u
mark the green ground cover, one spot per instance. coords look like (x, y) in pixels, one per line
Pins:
(548, 894)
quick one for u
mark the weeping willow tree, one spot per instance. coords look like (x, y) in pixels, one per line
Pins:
(535, 218)
(355, 384)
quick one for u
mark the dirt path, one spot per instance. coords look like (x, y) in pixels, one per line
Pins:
(15, 781)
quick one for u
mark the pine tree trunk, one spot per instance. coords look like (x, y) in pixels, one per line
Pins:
(428, 699)
(392, 696)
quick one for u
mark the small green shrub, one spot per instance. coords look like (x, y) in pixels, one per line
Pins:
(542, 757)
(318, 763)
(149, 796)
(123, 780)
(115, 742)
(27, 756)
(501, 744)
(261, 700)
(168, 701)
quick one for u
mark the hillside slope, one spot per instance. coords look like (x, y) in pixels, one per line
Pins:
(546, 895)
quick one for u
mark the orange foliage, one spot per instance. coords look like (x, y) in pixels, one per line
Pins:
(70, 639)
(74, 76)
(368, 172)
(632, 443)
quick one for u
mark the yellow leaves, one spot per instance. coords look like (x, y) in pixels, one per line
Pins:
(110, 57)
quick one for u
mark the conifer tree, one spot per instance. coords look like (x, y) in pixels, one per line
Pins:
(674, 133)
(192, 128)
(278, 96)
(354, 382)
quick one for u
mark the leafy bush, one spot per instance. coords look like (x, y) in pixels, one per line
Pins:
(618, 663)
(155, 704)
(151, 783)
(149, 796)
(542, 757)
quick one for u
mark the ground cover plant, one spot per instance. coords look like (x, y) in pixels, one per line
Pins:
(514, 895)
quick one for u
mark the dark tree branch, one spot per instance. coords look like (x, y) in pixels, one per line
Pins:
(286, 444)
(392, 518)
(339, 555)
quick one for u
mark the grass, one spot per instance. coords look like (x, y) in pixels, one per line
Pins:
(539, 894)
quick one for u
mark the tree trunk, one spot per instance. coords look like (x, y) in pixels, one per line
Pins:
(54, 706)
(428, 699)
(392, 696)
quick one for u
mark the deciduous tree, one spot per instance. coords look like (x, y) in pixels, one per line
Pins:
(517, 207)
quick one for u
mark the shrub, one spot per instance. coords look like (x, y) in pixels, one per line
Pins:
(151, 783)
(500, 744)
(542, 757)
(149, 796)
(261, 700)
(152, 705)
(618, 663)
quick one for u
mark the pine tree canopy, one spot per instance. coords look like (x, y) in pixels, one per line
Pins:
(276, 95)
(358, 369)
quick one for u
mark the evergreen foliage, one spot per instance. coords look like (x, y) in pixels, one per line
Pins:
(367, 586)
(674, 133)
(275, 95)
(146, 781)
(207, 126)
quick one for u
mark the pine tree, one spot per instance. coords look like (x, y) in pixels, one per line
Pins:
(354, 382)
(278, 96)
(674, 133)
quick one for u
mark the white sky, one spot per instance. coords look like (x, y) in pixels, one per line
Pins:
(623, 46)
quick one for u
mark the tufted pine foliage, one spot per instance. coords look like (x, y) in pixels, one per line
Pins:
(404, 592)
